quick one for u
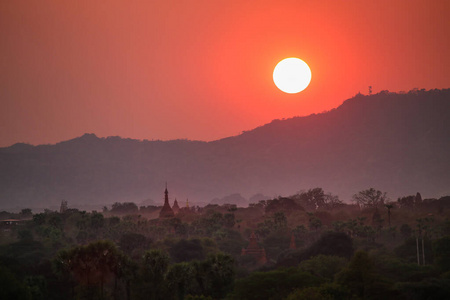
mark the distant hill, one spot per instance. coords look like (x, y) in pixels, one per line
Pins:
(398, 143)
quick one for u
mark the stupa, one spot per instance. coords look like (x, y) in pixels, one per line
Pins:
(254, 250)
(166, 211)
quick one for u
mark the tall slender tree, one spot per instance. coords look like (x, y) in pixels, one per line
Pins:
(389, 206)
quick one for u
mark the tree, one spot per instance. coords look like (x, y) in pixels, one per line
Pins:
(418, 199)
(312, 199)
(124, 208)
(26, 253)
(113, 221)
(39, 219)
(229, 220)
(279, 220)
(332, 201)
(324, 266)
(26, 213)
(327, 291)
(37, 286)
(316, 198)
(276, 242)
(25, 235)
(300, 231)
(276, 284)
(338, 226)
(351, 224)
(330, 243)
(104, 256)
(361, 278)
(56, 221)
(11, 287)
(151, 277)
(220, 273)
(389, 206)
(96, 221)
(411, 250)
(314, 222)
(406, 202)
(441, 250)
(280, 204)
(377, 221)
(179, 279)
(125, 270)
(424, 230)
(90, 265)
(131, 242)
(430, 288)
(358, 276)
(187, 250)
(209, 224)
(370, 198)
(406, 231)
(232, 243)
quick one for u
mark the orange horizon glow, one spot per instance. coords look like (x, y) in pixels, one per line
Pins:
(202, 70)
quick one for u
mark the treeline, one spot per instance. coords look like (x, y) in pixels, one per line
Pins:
(316, 246)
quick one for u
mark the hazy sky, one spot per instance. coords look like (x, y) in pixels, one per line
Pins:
(202, 69)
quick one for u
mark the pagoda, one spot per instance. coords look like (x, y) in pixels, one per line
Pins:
(166, 211)
(63, 206)
(254, 250)
(175, 207)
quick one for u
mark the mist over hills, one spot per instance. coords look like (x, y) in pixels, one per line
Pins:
(397, 143)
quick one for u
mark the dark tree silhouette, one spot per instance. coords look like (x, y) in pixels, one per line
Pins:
(389, 207)
(370, 198)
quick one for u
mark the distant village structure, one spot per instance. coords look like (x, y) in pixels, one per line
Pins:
(254, 250)
(7, 224)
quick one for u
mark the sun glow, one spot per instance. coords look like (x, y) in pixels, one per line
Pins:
(292, 75)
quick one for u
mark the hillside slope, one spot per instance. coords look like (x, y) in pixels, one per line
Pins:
(398, 143)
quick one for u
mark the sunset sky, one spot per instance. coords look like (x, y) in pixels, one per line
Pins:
(202, 69)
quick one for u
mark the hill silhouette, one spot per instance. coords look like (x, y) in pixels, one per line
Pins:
(398, 143)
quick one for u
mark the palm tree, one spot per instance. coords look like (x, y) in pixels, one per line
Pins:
(105, 258)
(124, 270)
(389, 207)
(179, 277)
(89, 264)
(220, 274)
(154, 266)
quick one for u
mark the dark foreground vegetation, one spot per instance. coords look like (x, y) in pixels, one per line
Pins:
(316, 248)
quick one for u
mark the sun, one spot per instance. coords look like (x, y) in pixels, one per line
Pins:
(292, 75)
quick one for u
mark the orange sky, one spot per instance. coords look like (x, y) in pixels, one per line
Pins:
(202, 69)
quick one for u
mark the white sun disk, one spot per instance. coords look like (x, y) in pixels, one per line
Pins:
(292, 75)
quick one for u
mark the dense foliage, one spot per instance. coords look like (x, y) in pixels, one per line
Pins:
(316, 246)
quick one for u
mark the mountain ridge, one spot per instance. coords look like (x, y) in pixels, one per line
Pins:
(394, 142)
